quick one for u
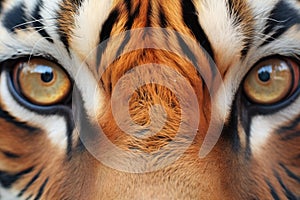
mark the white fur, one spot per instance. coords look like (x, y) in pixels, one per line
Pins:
(8, 195)
(263, 127)
(88, 24)
(92, 95)
(218, 26)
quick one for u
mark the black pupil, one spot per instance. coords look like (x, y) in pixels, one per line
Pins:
(47, 76)
(264, 75)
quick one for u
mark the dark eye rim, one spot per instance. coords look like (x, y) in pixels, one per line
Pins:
(265, 109)
(9, 68)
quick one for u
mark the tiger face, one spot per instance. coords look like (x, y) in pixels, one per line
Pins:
(153, 99)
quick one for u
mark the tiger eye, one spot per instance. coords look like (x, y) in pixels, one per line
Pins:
(42, 82)
(271, 81)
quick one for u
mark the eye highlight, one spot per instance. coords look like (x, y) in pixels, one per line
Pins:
(41, 82)
(272, 81)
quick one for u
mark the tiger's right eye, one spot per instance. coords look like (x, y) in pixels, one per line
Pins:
(41, 82)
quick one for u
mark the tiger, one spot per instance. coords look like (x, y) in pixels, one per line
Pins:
(149, 99)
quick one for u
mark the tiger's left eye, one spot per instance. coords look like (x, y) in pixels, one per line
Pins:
(272, 81)
(41, 82)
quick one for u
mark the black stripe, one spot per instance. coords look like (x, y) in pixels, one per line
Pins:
(70, 128)
(192, 57)
(187, 51)
(123, 44)
(190, 18)
(63, 37)
(29, 183)
(273, 191)
(246, 121)
(290, 132)
(78, 3)
(290, 173)
(86, 128)
(291, 135)
(29, 197)
(162, 18)
(247, 44)
(289, 194)
(108, 25)
(39, 27)
(230, 130)
(106, 33)
(282, 17)
(15, 18)
(7, 179)
(1, 1)
(41, 190)
(239, 113)
(128, 26)
(10, 119)
(132, 16)
(10, 154)
(292, 126)
(244, 116)
(149, 13)
(107, 28)
(128, 6)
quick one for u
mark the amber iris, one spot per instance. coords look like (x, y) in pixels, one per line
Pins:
(272, 81)
(42, 82)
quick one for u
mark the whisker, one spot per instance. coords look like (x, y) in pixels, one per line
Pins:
(37, 30)
(35, 20)
(274, 20)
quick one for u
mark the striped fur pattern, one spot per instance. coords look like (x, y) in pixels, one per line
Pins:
(41, 155)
